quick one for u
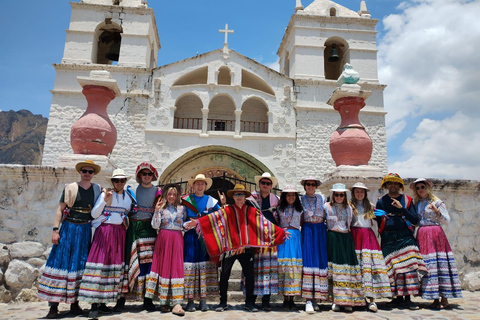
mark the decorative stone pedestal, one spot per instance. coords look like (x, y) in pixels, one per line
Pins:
(70, 160)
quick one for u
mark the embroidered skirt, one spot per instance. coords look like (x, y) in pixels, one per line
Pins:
(290, 265)
(165, 281)
(103, 278)
(405, 266)
(376, 283)
(201, 275)
(265, 268)
(442, 278)
(139, 246)
(344, 270)
(63, 271)
(315, 261)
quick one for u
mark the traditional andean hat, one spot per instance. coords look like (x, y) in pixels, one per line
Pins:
(148, 166)
(412, 185)
(238, 188)
(310, 178)
(392, 177)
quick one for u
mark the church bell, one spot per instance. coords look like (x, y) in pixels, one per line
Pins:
(333, 54)
(114, 52)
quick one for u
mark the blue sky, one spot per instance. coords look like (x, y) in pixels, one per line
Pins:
(427, 58)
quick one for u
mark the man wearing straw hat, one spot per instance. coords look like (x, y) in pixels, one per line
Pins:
(230, 233)
(63, 271)
(201, 278)
(265, 259)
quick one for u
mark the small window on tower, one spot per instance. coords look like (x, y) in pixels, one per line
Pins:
(333, 12)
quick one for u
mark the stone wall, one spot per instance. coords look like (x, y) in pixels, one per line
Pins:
(29, 197)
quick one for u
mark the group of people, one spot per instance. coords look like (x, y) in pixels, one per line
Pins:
(293, 245)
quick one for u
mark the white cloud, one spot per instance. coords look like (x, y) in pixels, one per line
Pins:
(273, 65)
(429, 59)
(447, 148)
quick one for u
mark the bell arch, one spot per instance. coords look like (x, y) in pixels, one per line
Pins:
(335, 55)
(107, 42)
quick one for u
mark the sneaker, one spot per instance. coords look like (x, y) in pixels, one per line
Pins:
(315, 305)
(285, 306)
(93, 314)
(348, 309)
(53, 313)
(335, 307)
(203, 306)
(410, 305)
(75, 309)
(102, 308)
(190, 306)
(372, 306)
(292, 305)
(120, 305)
(249, 306)
(309, 307)
(266, 306)
(221, 307)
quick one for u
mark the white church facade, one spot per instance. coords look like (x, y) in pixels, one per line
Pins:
(219, 112)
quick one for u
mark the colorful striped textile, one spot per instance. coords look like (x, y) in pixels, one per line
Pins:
(63, 271)
(265, 269)
(290, 265)
(442, 278)
(376, 283)
(232, 228)
(139, 246)
(166, 279)
(344, 271)
(315, 261)
(104, 272)
(405, 266)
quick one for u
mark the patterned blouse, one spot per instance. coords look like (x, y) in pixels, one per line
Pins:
(428, 217)
(313, 208)
(169, 218)
(338, 218)
(290, 218)
(360, 221)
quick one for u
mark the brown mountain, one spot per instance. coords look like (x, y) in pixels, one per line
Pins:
(22, 135)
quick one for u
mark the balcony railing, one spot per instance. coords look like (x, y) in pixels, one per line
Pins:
(220, 125)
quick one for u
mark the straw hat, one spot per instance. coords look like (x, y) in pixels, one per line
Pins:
(310, 178)
(392, 177)
(148, 166)
(88, 163)
(118, 174)
(266, 175)
(201, 177)
(339, 187)
(412, 185)
(238, 188)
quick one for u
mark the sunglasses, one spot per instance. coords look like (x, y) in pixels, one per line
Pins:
(310, 184)
(87, 171)
(150, 174)
(119, 180)
(420, 187)
(239, 194)
(266, 183)
(341, 195)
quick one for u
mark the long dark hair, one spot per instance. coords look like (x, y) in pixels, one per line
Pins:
(282, 204)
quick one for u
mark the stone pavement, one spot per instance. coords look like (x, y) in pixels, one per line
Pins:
(466, 308)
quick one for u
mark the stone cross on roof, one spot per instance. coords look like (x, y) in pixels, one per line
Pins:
(226, 31)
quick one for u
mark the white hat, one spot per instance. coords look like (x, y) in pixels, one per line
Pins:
(339, 187)
(201, 177)
(359, 185)
(412, 185)
(289, 188)
(266, 175)
(118, 174)
(310, 178)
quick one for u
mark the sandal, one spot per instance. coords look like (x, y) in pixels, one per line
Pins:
(178, 310)
(372, 306)
(435, 305)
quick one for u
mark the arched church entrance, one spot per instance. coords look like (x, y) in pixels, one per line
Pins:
(226, 166)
